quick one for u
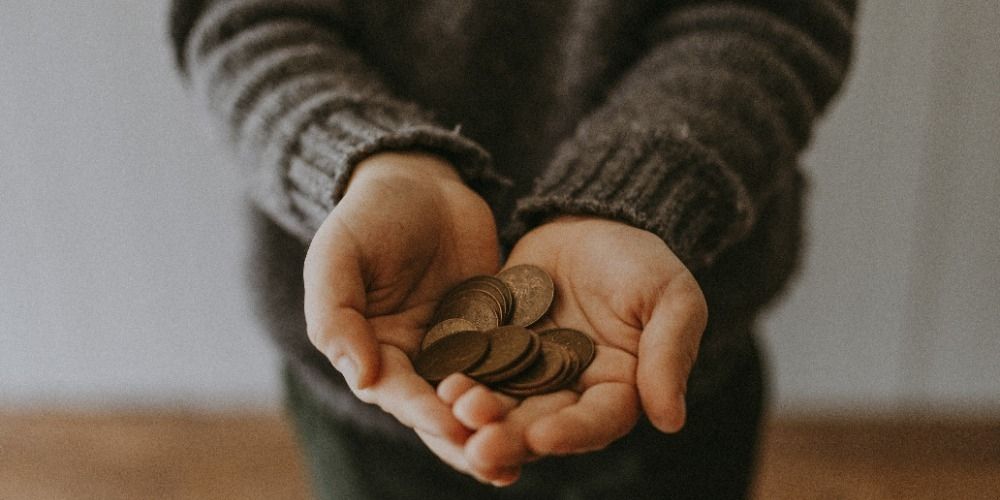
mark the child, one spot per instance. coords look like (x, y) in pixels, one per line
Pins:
(642, 153)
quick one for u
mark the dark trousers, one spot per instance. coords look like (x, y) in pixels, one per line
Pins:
(711, 458)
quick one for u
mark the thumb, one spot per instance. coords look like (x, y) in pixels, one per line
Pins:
(668, 348)
(335, 305)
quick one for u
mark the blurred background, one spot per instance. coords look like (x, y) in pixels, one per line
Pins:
(122, 237)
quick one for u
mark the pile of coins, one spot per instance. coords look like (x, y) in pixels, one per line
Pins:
(481, 329)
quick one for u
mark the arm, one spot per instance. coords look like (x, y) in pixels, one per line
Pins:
(703, 128)
(309, 116)
(299, 106)
(659, 180)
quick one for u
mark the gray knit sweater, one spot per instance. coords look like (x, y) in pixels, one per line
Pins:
(685, 118)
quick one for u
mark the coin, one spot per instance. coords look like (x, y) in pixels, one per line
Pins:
(571, 371)
(508, 346)
(550, 365)
(515, 360)
(452, 354)
(533, 292)
(476, 308)
(507, 298)
(445, 328)
(527, 360)
(578, 342)
(494, 288)
(482, 292)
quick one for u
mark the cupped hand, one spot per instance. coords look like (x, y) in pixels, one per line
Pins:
(405, 232)
(646, 313)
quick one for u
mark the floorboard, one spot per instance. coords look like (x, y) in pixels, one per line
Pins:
(58, 455)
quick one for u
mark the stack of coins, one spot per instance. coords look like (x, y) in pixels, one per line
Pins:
(481, 329)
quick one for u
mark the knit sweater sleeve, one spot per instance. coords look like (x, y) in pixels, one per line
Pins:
(299, 106)
(705, 126)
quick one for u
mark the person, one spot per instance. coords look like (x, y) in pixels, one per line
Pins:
(645, 154)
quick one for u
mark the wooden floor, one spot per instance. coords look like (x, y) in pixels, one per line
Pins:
(155, 456)
(887, 459)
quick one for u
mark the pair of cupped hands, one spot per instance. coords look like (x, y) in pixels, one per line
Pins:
(407, 230)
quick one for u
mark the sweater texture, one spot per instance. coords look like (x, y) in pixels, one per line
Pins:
(684, 118)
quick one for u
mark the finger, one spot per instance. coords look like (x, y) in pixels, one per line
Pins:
(335, 304)
(564, 433)
(404, 394)
(472, 403)
(480, 406)
(453, 386)
(668, 348)
(452, 455)
(506, 476)
(448, 452)
(503, 444)
(604, 413)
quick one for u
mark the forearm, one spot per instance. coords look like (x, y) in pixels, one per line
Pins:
(703, 128)
(301, 107)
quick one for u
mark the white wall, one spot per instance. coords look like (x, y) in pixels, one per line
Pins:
(897, 305)
(121, 236)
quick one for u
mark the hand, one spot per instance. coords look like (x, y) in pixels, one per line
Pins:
(646, 313)
(405, 232)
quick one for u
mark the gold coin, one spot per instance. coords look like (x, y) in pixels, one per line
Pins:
(533, 293)
(452, 354)
(508, 345)
(445, 328)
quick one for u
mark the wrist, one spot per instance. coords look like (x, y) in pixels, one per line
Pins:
(581, 223)
(592, 230)
(415, 165)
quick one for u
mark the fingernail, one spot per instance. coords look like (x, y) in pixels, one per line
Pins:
(682, 412)
(346, 366)
(506, 477)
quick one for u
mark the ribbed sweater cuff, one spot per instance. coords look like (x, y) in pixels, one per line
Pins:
(322, 160)
(664, 183)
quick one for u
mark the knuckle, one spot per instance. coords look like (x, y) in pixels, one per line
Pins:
(699, 315)
(316, 335)
(369, 396)
(691, 299)
(689, 357)
(320, 337)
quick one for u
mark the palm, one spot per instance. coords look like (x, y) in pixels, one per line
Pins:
(589, 300)
(415, 251)
(394, 244)
(611, 281)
